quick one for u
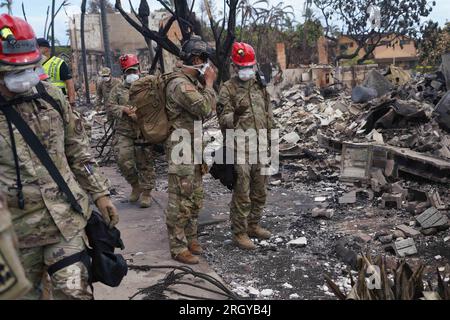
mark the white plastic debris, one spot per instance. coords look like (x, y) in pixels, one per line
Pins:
(264, 243)
(267, 292)
(294, 296)
(292, 138)
(276, 183)
(287, 286)
(253, 291)
(300, 242)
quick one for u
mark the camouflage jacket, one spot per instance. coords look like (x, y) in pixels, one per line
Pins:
(259, 108)
(257, 116)
(118, 101)
(104, 90)
(47, 213)
(187, 101)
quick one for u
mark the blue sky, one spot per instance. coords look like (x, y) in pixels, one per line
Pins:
(36, 12)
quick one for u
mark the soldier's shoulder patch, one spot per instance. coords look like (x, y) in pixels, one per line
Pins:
(188, 87)
(7, 277)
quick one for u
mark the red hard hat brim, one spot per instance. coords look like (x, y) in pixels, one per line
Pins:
(245, 64)
(135, 67)
(21, 59)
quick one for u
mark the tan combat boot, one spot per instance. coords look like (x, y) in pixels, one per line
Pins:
(146, 199)
(135, 194)
(243, 242)
(195, 248)
(186, 257)
(255, 231)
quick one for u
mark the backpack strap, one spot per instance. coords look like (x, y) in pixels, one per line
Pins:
(82, 256)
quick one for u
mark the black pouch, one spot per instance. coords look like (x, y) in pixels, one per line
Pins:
(106, 266)
(100, 260)
(224, 172)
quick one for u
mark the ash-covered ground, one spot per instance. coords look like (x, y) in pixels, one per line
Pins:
(278, 270)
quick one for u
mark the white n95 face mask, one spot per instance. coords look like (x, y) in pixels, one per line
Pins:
(132, 78)
(246, 74)
(201, 68)
(22, 81)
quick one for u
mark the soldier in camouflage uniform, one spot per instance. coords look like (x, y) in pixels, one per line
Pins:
(104, 86)
(134, 155)
(245, 104)
(47, 227)
(187, 100)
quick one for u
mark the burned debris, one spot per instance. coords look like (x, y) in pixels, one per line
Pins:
(376, 280)
(381, 150)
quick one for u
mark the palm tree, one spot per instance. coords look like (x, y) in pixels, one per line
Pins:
(249, 11)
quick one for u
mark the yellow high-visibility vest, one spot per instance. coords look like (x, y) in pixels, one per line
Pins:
(52, 68)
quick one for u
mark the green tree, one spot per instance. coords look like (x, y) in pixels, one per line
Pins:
(434, 42)
(398, 18)
(94, 7)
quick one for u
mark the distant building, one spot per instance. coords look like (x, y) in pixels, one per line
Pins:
(123, 39)
(400, 51)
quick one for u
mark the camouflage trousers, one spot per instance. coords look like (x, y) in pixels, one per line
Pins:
(136, 163)
(70, 283)
(185, 203)
(249, 197)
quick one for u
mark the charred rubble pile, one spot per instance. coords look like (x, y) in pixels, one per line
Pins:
(385, 145)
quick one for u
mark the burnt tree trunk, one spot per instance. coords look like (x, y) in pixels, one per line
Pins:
(144, 14)
(105, 31)
(53, 29)
(83, 53)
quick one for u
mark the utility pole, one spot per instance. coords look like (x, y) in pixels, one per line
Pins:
(83, 53)
(53, 29)
(104, 18)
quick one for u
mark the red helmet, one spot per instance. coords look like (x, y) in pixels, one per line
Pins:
(18, 45)
(243, 55)
(128, 61)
